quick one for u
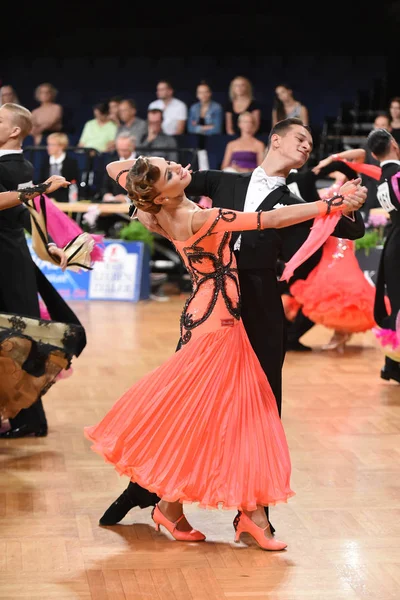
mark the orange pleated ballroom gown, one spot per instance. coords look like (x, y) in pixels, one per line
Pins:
(204, 426)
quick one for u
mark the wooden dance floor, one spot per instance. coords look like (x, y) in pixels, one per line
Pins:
(342, 527)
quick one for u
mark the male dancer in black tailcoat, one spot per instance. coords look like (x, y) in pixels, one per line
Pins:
(20, 278)
(385, 149)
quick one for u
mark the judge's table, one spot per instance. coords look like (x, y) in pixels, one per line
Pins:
(101, 207)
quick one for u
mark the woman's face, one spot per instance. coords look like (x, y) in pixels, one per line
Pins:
(239, 87)
(395, 110)
(45, 94)
(283, 93)
(246, 123)
(173, 177)
(7, 94)
(203, 93)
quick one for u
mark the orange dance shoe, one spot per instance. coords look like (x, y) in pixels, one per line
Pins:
(181, 536)
(243, 524)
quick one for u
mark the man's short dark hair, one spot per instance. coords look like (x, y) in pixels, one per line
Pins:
(281, 127)
(155, 111)
(379, 141)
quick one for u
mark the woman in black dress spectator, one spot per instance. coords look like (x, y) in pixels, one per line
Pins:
(241, 100)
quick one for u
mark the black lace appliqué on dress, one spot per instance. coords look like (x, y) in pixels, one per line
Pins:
(17, 323)
(205, 266)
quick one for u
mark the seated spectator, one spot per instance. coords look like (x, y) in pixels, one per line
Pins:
(246, 152)
(130, 122)
(113, 107)
(99, 133)
(46, 118)
(58, 162)
(286, 106)
(394, 109)
(111, 191)
(155, 141)
(125, 149)
(8, 94)
(241, 100)
(206, 115)
(175, 111)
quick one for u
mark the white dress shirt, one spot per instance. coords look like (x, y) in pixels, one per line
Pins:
(174, 111)
(260, 186)
(131, 157)
(56, 163)
(5, 152)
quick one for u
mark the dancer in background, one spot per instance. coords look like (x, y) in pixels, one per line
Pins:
(21, 281)
(386, 150)
(303, 183)
(336, 293)
(34, 355)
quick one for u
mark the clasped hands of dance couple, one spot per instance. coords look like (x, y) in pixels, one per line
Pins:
(23, 195)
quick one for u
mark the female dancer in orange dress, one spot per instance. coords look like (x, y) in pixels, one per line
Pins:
(336, 293)
(204, 426)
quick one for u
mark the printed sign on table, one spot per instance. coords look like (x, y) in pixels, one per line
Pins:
(123, 275)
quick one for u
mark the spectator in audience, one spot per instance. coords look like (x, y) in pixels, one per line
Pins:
(130, 122)
(175, 112)
(60, 163)
(8, 94)
(47, 118)
(246, 152)
(111, 191)
(394, 109)
(99, 133)
(206, 115)
(155, 141)
(113, 108)
(286, 106)
(241, 100)
(125, 149)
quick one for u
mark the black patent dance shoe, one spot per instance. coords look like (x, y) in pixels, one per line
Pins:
(388, 373)
(297, 346)
(24, 431)
(134, 495)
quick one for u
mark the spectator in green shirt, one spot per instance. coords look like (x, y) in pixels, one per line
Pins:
(99, 133)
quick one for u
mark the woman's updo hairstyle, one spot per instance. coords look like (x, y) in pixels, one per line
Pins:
(140, 183)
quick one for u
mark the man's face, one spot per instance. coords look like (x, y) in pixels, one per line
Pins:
(126, 112)
(154, 123)
(163, 91)
(7, 126)
(295, 146)
(124, 148)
